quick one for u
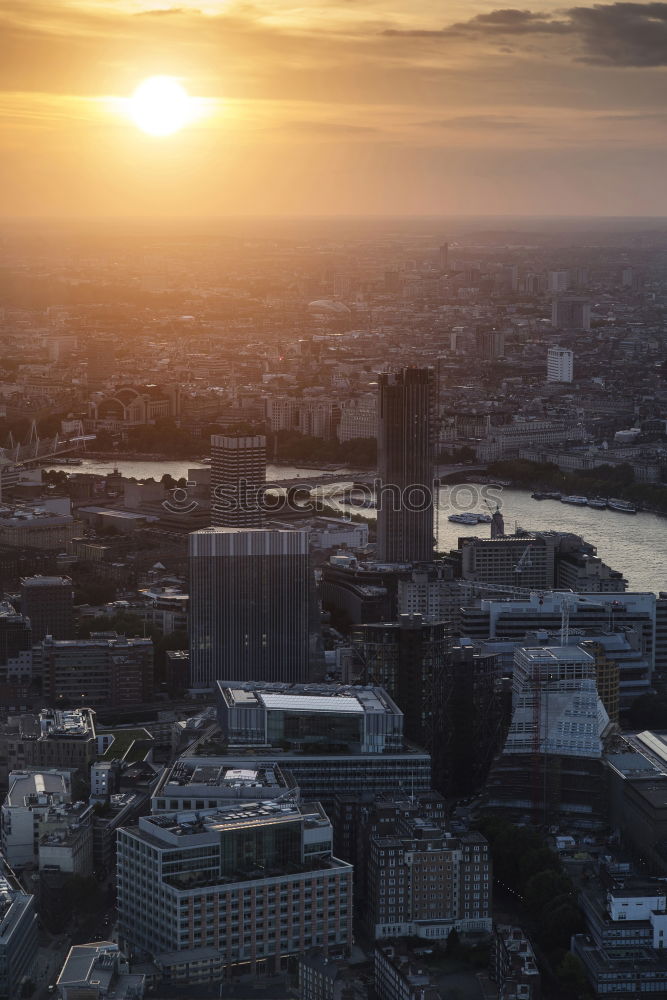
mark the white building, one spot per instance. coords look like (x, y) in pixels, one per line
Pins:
(358, 419)
(37, 804)
(560, 365)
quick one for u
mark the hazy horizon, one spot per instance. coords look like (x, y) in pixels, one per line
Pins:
(319, 109)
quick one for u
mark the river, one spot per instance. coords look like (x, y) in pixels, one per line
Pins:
(139, 469)
(634, 544)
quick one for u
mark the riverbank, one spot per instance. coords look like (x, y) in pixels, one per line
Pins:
(607, 481)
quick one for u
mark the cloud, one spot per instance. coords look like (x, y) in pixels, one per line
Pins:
(616, 34)
(479, 122)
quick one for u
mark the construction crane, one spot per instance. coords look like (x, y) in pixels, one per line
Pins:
(524, 561)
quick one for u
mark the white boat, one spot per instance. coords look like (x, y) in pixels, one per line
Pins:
(463, 518)
(622, 505)
(577, 501)
(598, 503)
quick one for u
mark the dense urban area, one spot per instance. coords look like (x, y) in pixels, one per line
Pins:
(291, 704)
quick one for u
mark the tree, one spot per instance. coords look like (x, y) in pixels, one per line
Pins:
(572, 975)
(542, 888)
(453, 942)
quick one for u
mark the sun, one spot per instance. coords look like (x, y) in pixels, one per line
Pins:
(161, 106)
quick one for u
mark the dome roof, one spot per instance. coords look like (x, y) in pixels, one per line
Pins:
(329, 306)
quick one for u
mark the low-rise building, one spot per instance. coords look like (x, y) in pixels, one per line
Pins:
(98, 971)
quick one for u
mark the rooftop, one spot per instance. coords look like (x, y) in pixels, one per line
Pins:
(338, 698)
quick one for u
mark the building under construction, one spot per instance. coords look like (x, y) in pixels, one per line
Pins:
(550, 771)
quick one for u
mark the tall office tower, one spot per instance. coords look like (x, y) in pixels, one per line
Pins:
(571, 312)
(238, 476)
(560, 363)
(407, 401)
(443, 257)
(48, 601)
(249, 603)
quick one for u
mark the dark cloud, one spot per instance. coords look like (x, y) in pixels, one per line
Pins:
(616, 34)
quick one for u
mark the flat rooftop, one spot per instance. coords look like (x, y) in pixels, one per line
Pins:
(212, 774)
(234, 816)
(307, 698)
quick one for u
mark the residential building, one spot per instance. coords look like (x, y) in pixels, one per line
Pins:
(243, 887)
(424, 882)
(249, 605)
(559, 365)
(514, 967)
(399, 976)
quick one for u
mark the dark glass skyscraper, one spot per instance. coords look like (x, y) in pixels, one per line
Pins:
(249, 605)
(407, 401)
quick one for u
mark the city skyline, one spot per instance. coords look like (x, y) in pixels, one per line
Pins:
(368, 109)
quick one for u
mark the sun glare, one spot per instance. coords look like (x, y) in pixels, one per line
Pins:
(161, 106)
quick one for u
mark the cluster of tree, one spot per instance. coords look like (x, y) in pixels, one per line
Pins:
(294, 447)
(524, 863)
(605, 480)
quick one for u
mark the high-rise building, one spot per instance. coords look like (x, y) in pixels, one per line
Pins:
(249, 605)
(560, 365)
(405, 465)
(571, 312)
(443, 257)
(48, 601)
(238, 477)
(246, 886)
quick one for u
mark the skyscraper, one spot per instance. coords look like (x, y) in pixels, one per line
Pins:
(405, 465)
(238, 475)
(249, 603)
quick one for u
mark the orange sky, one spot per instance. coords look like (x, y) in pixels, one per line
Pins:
(336, 106)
